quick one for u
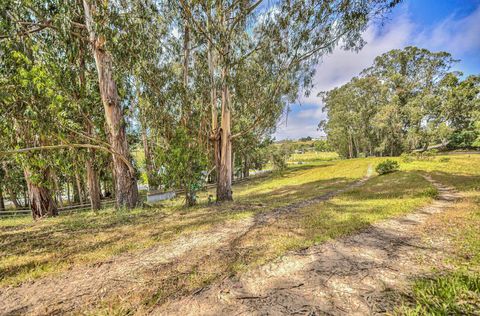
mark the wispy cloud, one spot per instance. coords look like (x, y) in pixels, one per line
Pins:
(457, 36)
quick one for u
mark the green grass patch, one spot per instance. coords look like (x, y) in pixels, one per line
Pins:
(457, 293)
(379, 198)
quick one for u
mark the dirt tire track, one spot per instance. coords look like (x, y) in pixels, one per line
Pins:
(347, 276)
(84, 287)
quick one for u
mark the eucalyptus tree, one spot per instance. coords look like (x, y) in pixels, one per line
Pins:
(28, 110)
(284, 41)
(112, 32)
(412, 74)
(406, 100)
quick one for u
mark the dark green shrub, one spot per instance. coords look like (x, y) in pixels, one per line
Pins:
(387, 166)
(406, 158)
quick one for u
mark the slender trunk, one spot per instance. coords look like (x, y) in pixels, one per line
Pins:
(186, 57)
(150, 169)
(246, 167)
(78, 183)
(58, 190)
(215, 137)
(75, 191)
(126, 190)
(2, 202)
(93, 184)
(68, 193)
(224, 181)
(350, 147)
(40, 197)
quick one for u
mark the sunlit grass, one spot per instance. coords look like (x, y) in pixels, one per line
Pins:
(31, 250)
(381, 197)
(309, 156)
(456, 291)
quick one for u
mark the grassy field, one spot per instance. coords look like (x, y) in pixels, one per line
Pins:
(31, 250)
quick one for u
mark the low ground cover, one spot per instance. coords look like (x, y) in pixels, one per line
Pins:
(32, 250)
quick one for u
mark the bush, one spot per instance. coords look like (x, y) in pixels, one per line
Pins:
(406, 158)
(279, 156)
(387, 166)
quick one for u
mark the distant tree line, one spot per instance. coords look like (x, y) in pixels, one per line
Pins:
(408, 99)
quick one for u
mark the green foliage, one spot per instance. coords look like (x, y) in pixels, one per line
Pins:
(457, 293)
(406, 100)
(463, 139)
(387, 166)
(322, 146)
(184, 164)
(406, 157)
(305, 139)
(279, 156)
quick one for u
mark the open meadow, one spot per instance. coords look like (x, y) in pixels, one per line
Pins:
(273, 215)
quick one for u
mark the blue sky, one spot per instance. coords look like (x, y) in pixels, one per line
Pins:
(448, 25)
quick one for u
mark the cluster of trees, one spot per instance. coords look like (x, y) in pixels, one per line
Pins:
(198, 85)
(408, 99)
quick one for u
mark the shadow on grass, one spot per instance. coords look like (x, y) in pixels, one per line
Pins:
(461, 182)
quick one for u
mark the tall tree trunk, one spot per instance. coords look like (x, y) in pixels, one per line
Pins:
(40, 197)
(126, 190)
(78, 183)
(92, 182)
(68, 193)
(58, 190)
(149, 164)
(75, 190)
(214, 136)
(150, 168)
(246, 167)
(224, 181)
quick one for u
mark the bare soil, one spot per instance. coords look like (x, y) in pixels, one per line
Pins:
(129, 279)
(355, 275)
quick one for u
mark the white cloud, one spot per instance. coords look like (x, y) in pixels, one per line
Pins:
(458, 36)
(296, 127)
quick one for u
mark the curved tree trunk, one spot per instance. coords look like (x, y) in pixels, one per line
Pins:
(126, 190)
(41, 201)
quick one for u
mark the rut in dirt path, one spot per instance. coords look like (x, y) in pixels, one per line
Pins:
(348, 276)
(128, 276)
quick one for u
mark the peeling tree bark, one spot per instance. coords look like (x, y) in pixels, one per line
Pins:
(40, 197)
(214, 137)
(224, 181)
(126, 190)
(93, 182)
